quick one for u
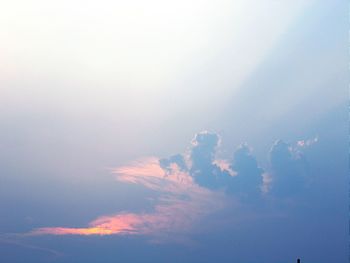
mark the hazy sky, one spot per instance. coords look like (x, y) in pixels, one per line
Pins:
(174, 131)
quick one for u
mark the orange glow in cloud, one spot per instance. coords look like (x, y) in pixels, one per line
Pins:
(71, 231)
(181, 204)
(119, 224)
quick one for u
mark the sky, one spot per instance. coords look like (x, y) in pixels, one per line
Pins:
(174, 131)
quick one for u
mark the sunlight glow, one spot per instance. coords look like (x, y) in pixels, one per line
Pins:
(136, 53)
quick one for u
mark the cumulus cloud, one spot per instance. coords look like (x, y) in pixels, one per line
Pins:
(248, 179)
(207, 171)
(203, 168)
(193, 186)
(288, 168)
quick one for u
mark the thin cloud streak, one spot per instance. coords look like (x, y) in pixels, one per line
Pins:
(12, 240)
(118, 224)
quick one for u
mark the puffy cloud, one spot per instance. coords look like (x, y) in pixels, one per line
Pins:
(204, 168)
(248, 180)
(288, 168)
(184, 187)
(192, 187)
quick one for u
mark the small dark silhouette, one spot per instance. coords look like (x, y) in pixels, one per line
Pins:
(298, 260)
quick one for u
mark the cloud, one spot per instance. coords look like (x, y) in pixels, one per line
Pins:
(191, 187)
(107, 225)
(248, 179)
(13, 241)
(267, 180)
(181, 203)
(177, 159)
(224, 166)
(288, 167)
(204, 168)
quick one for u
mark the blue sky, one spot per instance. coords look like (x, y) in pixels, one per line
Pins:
(181, 132)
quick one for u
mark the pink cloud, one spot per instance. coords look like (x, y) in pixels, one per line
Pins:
(224, 166)
(180, 205)
(106, 225)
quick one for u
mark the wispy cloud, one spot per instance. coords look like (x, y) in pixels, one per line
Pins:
(181, 203)
(12, 240)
